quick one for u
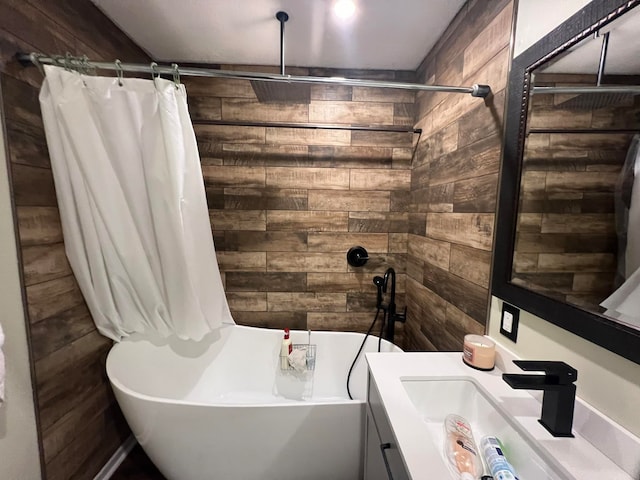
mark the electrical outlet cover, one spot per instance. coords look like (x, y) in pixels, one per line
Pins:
(509, 320)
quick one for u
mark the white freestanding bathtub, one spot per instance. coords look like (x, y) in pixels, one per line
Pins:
(223, 409)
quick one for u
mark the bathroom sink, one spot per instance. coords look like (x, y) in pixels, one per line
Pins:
(434, 399)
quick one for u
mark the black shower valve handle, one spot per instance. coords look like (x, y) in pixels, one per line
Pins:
(357, 256)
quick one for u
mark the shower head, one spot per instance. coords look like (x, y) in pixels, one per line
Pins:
(596, 100)
(382, 286)
(278, 92)
(380, 282)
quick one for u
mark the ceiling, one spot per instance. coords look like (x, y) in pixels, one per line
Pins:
(384, 34)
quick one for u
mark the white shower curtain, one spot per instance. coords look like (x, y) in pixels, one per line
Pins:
(132, 203)
(624, 303)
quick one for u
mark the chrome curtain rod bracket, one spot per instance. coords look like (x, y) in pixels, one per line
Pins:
(26, 59)
(478, 90)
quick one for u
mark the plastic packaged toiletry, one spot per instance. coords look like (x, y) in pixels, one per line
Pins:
(460, 448)
(298, 359)
(492, 453)
(285, 350)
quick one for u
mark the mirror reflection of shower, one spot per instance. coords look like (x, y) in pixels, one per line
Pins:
(624, 302)
(578, 224)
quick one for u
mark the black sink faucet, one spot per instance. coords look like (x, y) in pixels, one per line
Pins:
(559, 396)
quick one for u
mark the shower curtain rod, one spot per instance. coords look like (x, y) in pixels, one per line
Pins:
(581, 131)
(312, 126)
(577, 90)
(83, 63)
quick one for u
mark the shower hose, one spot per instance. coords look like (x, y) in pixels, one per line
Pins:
(375, 319)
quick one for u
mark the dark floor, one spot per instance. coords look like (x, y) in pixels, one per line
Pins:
(137, 466)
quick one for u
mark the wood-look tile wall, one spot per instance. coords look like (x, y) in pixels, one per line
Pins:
(286, 204)
(454, 180)
(80, 425)
(566, 244)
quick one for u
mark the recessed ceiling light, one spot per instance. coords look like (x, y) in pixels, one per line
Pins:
(344, 9)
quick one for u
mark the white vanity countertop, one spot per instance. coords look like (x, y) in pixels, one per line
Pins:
(575, 456)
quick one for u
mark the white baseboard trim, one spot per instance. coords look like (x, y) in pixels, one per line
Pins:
(116, 459)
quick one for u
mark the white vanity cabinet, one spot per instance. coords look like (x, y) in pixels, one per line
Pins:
(383, 460)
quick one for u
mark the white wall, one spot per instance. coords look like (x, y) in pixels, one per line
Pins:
(605, 380)
(19, 456)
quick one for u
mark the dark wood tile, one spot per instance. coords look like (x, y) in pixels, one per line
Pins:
(78, 421)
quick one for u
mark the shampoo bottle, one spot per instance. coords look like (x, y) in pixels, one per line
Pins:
(460, 448)
(285, 350)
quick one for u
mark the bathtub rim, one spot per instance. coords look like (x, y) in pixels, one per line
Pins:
(289, 403)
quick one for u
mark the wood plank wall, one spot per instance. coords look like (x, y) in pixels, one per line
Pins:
(286, 204)
(566, 244)
(80, 425)
(285, 207)
(454, 180)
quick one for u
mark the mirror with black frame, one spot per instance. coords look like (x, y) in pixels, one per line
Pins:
(568, 232)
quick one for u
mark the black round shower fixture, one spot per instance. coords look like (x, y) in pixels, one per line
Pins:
(357, 256)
